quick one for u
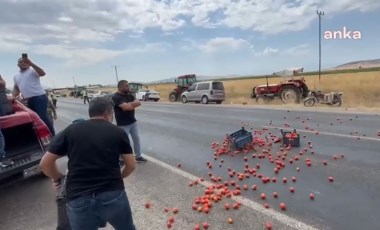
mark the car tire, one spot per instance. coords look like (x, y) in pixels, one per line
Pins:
(184, 99)
(205, 100)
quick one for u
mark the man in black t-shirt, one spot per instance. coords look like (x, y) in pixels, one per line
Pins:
(95, 188)
(124, 105)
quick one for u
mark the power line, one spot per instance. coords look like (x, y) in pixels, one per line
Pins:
(320, 14)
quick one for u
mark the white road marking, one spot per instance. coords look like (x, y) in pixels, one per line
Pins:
(324, 133)
(284, 219)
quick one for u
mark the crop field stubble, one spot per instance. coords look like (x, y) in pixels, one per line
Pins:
(360, 90)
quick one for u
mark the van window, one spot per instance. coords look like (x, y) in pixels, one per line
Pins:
(217, 85)
(192, 88)
(203, 86)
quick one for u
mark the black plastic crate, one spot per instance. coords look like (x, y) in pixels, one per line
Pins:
(296, 142)
(241, 138)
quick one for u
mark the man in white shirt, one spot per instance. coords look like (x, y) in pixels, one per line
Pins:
(27, 82)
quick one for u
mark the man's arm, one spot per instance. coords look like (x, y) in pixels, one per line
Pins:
(128, 106)
(57, 149)
(125, 106)
(52, 107)
(38, 69)
(16, 91)
(128, 157)
(49, 166)
(129, 164)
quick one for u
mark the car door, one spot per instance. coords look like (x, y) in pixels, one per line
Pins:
(201, 90)
(191, 92)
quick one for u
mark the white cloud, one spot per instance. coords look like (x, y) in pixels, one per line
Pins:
(65, 19)
(269, 50)
(73, 26)
(75, 56)
(222, 44)
(299, 50)
(272, 17)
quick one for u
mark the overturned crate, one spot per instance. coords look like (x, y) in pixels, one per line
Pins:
(291, 138)
(241, 138)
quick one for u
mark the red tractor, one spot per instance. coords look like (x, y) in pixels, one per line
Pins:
(183, 83)
(290, 91)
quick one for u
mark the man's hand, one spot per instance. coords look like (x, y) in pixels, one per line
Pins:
(38, 69)
(55, 116)
(57, 184)
(136, 103)
(27, 61)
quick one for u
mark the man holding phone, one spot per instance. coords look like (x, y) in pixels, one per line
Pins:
(27, 82)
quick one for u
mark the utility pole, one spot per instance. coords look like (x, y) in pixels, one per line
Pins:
(74, 81)
(320, 14)
(76, 88)
(117, 76)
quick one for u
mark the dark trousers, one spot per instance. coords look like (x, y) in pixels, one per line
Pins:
(39, 104)
(54, 102)
(85, 213)
(85, 98)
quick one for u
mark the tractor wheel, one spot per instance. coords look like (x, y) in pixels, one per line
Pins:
(309, 102)
(290, 94)
(261, 100)
(173, 97)
(253, 94)
(184, 99)
(205, 100)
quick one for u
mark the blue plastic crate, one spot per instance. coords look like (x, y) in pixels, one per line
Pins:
(241, 138)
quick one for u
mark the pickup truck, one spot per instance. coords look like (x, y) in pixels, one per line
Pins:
(26, 139)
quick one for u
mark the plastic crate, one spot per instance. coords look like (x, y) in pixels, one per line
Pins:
(290, 141)
(241, 138)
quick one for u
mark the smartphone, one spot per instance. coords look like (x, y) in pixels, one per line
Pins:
(24, 56)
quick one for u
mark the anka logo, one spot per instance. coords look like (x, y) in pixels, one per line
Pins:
(342, 34)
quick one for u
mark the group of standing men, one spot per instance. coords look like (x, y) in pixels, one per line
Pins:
(93, 147)
(94, 181)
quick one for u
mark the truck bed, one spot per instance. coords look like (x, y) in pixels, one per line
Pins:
(20, 139)
(22, 143)
(23, 146)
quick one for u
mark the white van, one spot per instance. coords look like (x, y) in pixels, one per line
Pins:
(205, 92)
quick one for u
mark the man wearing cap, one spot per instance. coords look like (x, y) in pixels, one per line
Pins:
(27, 82)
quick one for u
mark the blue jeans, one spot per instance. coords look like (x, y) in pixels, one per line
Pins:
(113, 207)
(2, 146)
(133, 131)
(39, 104)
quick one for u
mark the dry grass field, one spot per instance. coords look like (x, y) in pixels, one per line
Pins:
(359, 89)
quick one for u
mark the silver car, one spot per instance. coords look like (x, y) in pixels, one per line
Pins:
(205, 92)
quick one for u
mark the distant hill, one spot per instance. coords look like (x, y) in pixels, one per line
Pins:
(351, 65)
(360, 64)
(199, 78)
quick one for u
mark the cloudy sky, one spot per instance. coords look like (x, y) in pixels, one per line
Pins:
(157, 39)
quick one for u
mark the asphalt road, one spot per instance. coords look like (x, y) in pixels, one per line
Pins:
(177, 133)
